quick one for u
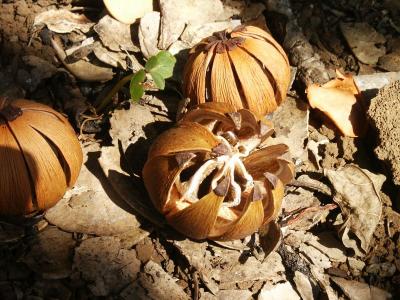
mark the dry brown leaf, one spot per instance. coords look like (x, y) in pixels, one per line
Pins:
(155, 283)
(115, 35)
(195, 33)
(107, 263)
(63, 21)
(10, 233)
(81, 69)
(149, 30)
(355, 290)
(115, 59)
(50, 253)
(88, 208)
(357, 193)
(177, 13)
(339, 99)
(110, 162)
(303, 286)
(291, 126)
(281, 291)
(232, 271)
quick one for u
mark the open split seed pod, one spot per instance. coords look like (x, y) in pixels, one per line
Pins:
(40, 157)
(208, 178)
(244, 67)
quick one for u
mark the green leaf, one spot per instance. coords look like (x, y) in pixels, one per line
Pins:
(161, 64)
(135, 87)
(158, 80)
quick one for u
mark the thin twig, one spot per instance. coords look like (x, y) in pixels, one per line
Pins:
(103, 103)
(293, 219)
(312, 186)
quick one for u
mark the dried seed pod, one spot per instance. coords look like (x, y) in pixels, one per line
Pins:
(208, 178)
(244, 67)
(40, 157)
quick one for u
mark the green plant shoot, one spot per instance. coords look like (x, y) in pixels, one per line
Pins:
(159, 67)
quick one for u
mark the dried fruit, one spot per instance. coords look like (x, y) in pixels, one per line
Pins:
(208, 178)
(340, 100)
(40, 157)
(244, 67)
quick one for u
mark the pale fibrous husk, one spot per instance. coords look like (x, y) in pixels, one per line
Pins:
(40, 157)
(209, 179)
(244, 67)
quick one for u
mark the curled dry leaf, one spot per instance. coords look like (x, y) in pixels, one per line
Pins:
(284, 291)
(356, 290)
(291, 126)
(115, 59)
(50, 253)
(339, 99)
(40, 157)
(115, 35)
(63, 21)
(93, 206)
(206, 176)
(357, 193)
(155, 283)
(128, 11)
(108, 264)
(244, 67)
(149, 29)
(82, 69)
(193, 34)
(177, 13)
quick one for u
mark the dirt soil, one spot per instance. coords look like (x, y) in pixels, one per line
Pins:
(54, 256)
(383, 113)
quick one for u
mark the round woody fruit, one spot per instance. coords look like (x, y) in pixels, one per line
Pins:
(40, 157)
(210, 179)
(244, 67)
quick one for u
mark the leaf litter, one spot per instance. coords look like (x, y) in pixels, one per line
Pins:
(105, 236)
